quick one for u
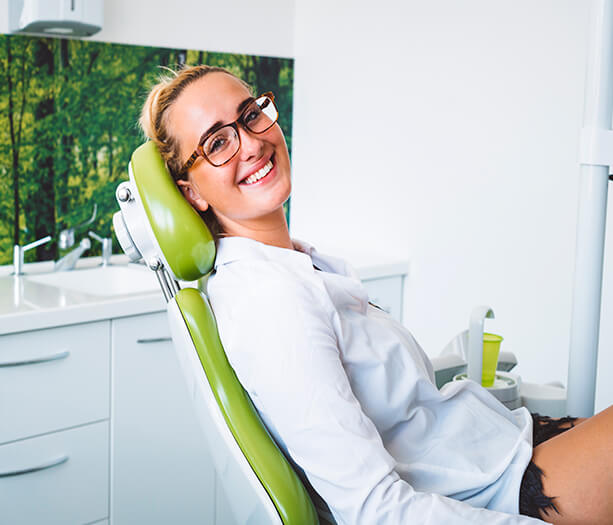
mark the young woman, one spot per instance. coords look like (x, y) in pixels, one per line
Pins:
(345, 390)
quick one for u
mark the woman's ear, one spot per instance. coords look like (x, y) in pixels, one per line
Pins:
(192, 195)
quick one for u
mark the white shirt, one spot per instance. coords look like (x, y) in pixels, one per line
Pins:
(349, 395)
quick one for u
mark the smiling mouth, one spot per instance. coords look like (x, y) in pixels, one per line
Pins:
(258, 175)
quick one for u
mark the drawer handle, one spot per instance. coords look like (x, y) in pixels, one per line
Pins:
(47, 464)
(53, 357)
(153, 340)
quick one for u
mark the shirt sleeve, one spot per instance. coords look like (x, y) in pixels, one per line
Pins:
(283, 347)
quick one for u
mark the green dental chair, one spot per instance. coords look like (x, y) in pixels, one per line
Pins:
(155, 223)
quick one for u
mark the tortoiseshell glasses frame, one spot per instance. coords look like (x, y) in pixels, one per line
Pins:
(259, 116)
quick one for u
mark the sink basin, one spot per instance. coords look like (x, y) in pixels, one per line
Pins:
(102, 280)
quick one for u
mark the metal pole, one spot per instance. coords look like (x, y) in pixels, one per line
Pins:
(585, 321)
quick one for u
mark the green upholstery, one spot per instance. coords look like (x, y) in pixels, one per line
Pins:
(270, 465)
(185, 240)
(189, 249)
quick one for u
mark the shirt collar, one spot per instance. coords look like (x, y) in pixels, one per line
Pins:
(303, 256)
(231, 249)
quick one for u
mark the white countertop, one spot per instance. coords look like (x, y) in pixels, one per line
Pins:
(29, 302)
(29, 305)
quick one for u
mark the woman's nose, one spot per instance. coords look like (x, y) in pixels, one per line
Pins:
(251, 144)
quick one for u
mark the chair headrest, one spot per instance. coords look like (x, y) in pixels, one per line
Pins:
(157, 223)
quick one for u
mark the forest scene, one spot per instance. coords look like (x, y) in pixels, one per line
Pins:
(68, 114)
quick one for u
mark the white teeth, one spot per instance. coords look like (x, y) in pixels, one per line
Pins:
(262, 172)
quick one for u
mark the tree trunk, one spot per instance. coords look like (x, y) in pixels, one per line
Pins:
(266, 71)
(15, 118)
(66, 140)
(14, 148)
(110, 153)
(40, 206)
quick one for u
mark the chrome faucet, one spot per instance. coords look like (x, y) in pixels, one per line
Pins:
(66, 239)
(67, 235)
(107, 247)
(18, 252)
(70, 259)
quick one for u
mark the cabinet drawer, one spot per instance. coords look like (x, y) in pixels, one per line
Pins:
(387, 294)
(53, 379)
(72, 491)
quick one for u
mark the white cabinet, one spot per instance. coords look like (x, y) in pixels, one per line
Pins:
(53, 379)
(54, 432)
(59, 478)
(161, 472)
(97, 405)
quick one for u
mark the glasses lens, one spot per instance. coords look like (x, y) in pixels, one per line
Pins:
(221, 145)
(260, 115)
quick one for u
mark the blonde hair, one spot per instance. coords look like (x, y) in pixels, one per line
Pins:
(154, 121)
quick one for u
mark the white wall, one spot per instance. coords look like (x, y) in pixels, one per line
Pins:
(447, 132)
(264, 27)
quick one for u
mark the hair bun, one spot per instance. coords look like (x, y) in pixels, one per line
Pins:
(149, 112)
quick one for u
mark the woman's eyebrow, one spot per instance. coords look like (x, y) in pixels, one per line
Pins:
(219, 123)
(244, 104)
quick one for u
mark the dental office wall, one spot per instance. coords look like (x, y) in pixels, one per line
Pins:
(447, 133)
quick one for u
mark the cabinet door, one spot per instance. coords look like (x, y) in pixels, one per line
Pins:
(53, 379)
(61, 478)
(161, 471)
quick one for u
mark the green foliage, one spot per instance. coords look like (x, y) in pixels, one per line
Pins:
(68, 125)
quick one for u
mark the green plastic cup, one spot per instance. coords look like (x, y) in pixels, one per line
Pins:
(491, 349)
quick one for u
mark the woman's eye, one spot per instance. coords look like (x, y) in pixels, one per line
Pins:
(216, 144)
(252, 115)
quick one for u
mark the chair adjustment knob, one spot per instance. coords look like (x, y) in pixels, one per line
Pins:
(124, 194)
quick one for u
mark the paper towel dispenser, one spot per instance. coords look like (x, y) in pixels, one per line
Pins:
(71, 18)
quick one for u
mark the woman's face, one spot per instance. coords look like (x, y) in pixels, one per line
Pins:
(216, 98)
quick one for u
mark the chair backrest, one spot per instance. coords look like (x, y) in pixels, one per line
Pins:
(157, 224)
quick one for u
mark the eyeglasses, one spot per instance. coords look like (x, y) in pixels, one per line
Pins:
(220, 145)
